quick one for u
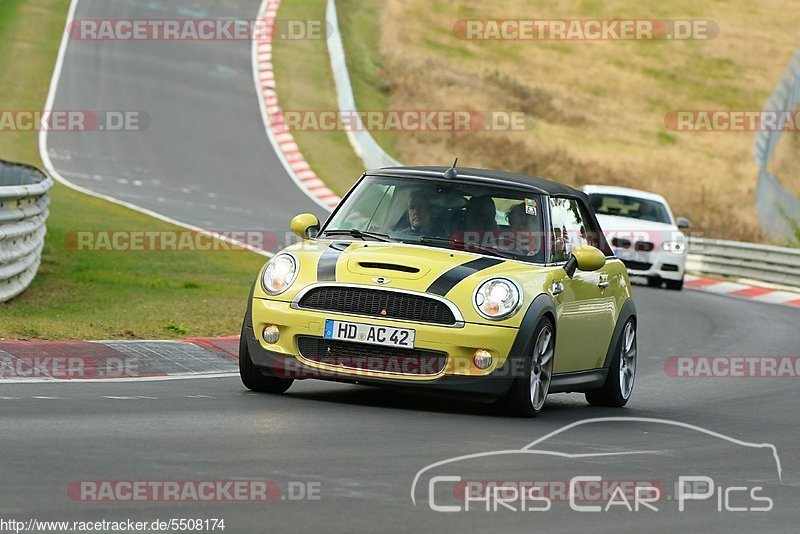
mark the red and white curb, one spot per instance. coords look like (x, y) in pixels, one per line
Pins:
(282, 139)
(100, 361)
(743, 291)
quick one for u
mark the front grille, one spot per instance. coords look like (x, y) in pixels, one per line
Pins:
(371, 357)
(377, 303)
(637, 265)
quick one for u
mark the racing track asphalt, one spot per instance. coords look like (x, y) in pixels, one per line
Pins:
(364, 445)
(204, 158)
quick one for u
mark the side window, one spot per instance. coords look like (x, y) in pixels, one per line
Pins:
(569, 229)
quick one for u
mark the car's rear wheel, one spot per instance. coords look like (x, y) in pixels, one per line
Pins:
(677, 285)
(621, 372)
(528, 392)
(252, 377)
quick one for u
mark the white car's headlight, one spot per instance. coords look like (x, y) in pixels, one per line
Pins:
(497, 298)
(280, 273)
(676, 247)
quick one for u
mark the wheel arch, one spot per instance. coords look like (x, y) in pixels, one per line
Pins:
(628, 311)
(541, 306)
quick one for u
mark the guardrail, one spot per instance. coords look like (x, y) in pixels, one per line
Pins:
(24, 203)
(765, 263)
(364, 145)
(778, 209)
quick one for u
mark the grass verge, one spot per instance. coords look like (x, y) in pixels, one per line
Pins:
(102, 295)
(305, 83)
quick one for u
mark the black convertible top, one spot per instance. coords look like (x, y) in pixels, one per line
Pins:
(468, 174)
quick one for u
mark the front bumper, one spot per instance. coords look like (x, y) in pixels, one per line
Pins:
(459, 343)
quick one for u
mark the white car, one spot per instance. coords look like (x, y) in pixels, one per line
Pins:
(642, 232)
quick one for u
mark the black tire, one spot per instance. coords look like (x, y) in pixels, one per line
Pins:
(252, 377)
(654, 282)
(612, 394)
(676, 285)
(517, 401)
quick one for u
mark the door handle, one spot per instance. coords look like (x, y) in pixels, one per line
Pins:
(602, 284)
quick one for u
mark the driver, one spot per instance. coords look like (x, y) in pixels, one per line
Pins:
(421, 214)
(647, 212)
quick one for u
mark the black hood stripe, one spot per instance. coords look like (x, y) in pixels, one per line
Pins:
(442, 285)
(326, 267)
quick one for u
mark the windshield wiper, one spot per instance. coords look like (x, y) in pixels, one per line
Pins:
(353, 232)
(456, 242)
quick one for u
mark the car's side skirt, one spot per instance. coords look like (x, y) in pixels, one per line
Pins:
(578, 381)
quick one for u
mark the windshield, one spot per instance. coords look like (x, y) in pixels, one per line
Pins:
(635, 208)
(489, 220)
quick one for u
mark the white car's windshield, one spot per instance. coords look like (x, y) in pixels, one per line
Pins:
(490, 220)
(627, 206)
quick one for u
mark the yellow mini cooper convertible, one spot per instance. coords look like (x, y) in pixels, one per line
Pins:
(468, 281)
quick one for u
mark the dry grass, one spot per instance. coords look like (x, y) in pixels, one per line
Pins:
(595, 110)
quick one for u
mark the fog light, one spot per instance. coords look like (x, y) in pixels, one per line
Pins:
(482, 359)
(271, 334)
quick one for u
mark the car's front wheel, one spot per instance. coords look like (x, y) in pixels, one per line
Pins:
(621, 372)
(252, 377)
(529, 391)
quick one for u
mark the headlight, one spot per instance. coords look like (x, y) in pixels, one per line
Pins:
(497, 298)
(279, 274)
(676, 247)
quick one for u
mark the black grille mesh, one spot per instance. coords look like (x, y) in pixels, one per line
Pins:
(365, 301)
(371, 357)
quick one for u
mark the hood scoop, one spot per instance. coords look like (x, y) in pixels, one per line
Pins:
(391, 267)
(388, 267)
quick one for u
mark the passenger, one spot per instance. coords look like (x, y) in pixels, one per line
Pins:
(526, 229)
(480, 215)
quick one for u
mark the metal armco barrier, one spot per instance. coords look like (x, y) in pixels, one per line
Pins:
(365, 146)
(765, 263)
(24, 202)
(776, 206)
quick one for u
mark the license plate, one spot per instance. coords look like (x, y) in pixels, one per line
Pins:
(367, 333)
(641, 257)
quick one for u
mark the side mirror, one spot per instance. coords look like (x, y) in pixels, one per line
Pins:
(683, 223)
(305, 225)
(585, 258)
